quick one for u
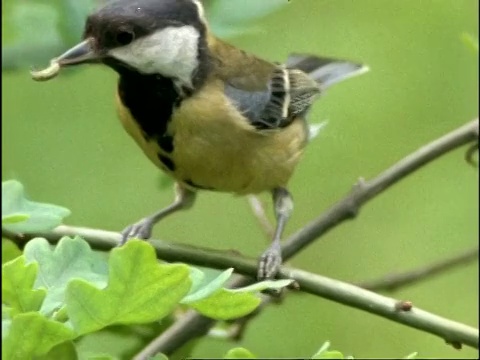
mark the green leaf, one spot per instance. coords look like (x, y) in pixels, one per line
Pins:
(72, 258)
(197, 277)
(200, 290)
(329, 355)
(63, 351)
(120, 341)
(139, 290)
(239, 353)
(14, 218)
(226, 304)
(10, 250)
(32, 335)
(41, 217)
(60, 314)
(17, 287)
(411, 356)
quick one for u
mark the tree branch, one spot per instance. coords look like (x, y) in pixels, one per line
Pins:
(193, 325)
(258, 211)
(324, 287)
(393, 282)
(364, 191)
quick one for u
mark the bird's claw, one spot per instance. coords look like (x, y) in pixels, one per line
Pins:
(269, 264)
(140, 230)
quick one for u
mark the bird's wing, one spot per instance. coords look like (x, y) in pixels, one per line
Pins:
(286, 94)
(269, 95)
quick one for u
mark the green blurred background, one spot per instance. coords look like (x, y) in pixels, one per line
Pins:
(63, 141)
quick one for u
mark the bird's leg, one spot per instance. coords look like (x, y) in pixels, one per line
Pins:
(271, 259)
(142, 229)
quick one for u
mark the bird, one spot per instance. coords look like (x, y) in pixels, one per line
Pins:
(208, 114)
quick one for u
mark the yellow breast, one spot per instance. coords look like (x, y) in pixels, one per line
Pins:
(216, 148)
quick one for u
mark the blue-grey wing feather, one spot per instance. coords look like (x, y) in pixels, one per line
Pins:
(250, 103)
(290, 91)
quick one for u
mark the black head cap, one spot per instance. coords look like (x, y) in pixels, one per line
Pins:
(120, 22)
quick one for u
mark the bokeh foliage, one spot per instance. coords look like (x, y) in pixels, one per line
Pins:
(62, 140)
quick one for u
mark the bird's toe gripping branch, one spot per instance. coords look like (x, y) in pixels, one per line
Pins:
(139, 230)
(270, 262)
(143, 229)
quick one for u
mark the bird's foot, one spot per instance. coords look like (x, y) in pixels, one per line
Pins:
(269, 263)
(139, 230)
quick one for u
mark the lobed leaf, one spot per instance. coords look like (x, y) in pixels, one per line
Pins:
(31, 335)
(227, 304)
(17, 287)
(72, 258)
(140, 290)
(200, 289)
(63, 351)
(36, 216)
(10, 251)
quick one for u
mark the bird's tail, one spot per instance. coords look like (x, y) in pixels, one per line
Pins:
(325, 71)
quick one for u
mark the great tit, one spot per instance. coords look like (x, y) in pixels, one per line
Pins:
(208, 114)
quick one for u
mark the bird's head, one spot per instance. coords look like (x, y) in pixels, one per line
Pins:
(162, 37)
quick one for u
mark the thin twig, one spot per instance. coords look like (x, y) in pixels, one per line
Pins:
(259, 211)
(193, 325)
(388, 283)
(363, 191)
(393, 282)
(334, 290)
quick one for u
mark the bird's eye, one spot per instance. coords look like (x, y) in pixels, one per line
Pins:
(124, 37)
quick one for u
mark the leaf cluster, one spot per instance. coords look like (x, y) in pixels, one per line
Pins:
(53, 297)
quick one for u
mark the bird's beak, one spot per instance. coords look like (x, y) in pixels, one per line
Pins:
(79, 54)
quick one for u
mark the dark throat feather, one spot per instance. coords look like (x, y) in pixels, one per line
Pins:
(151, 100)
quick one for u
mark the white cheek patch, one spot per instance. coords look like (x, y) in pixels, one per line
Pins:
(170, 52)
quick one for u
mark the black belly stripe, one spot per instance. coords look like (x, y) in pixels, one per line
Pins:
(166, 143)
(167, 162)
(151, 100)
